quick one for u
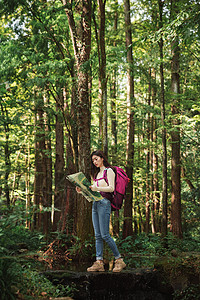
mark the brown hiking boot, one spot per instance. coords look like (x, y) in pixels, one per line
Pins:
(97, 266)
(119, 265)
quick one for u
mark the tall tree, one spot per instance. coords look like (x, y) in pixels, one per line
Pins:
(163, 120)
(102, 73)
(156, 194)
(176, 225)
(40, 187)
(5, 121)
(101, 49)
(59, 163)
(148, 163)
(113, 95)
(128, 216)
(81, 40)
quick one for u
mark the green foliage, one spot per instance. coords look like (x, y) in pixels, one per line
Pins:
(35, 285)
(10, 276)
(143, 250)
(79, 250)
(19, 272)
(37, 60)
(13, 234)
(23, 279)
(191, 292)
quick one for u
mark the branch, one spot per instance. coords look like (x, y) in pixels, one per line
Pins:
(72, 26)
(62, 110)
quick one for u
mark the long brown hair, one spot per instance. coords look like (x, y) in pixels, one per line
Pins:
(94, 170)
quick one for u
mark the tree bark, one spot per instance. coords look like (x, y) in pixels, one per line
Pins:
(128, 215)
(81, 40)
(176, 226)
(59, 165)
(27, 183)
(148, 163)
(7, 154)
(48, 160)
(156, 198)
(100, 39)
(40, 164)
(163, 120)
(113, 95)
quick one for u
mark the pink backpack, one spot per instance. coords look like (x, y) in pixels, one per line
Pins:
(121, 182)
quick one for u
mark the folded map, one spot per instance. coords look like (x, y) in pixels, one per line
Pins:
(82, 182)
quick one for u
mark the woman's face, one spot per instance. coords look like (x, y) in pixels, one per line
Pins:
(97, 161)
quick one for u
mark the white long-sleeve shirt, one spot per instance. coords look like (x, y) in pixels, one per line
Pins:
(101, 185)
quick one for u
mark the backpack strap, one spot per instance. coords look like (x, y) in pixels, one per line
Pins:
(104, 177)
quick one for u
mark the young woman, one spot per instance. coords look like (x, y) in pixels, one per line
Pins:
(101, 211)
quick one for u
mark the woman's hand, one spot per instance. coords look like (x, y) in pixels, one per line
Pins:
(78, 189)
(94, 188)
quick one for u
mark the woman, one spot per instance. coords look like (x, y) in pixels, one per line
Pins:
(101, 211)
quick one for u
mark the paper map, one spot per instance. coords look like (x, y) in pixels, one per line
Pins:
(81, 181)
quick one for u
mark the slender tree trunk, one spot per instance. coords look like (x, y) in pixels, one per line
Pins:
(40, 164)
(147, 204)
(187, 180)
(155, 184)
(128, 216)
(113, 95)
(27, 182)
(102, 75)
(7, 166)
(113, 120)
(164, 142)
(176, 225)
(156, 198)
(148, 161)
(69, 214)
(59, 165)
(152, 91)
(73, 120)
(48, 170)
(6, 154)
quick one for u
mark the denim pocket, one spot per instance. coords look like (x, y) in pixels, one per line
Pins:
(104, 201)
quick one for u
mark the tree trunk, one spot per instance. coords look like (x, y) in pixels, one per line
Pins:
(155, 184)
(187, 180)
(176, 226)
(148, 162)
(59, 165)
(81, 39)
(113, 95)
(164, 142)
(48, 170)
(7, 154)
(156, 197)
(102, 77)
(147, 204)
(128, 216)
(27, 183)
(40, 164)
(69, 214)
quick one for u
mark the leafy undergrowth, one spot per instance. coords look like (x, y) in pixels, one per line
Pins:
(22, 259)
(191, 292)
(25, 254)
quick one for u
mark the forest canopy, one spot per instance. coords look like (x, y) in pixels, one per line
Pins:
(121, 76)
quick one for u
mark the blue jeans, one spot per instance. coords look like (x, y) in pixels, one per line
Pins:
(101, 218)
